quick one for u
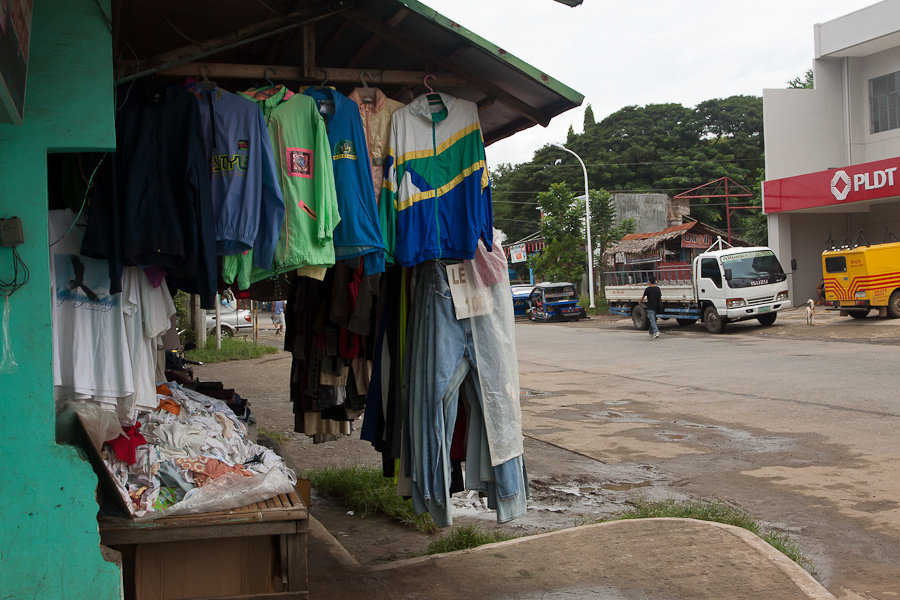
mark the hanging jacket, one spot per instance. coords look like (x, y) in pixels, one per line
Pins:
(359, 233)
(375, 110)
(436, 197)
(303, 164)
(153, 204)
(246, 196)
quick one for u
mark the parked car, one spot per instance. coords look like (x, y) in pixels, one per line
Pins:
(554, 302)
(234, 322)
(520, 295)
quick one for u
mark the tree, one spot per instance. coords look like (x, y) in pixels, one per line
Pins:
(589, 120)
(656, 148)
(804, 82)
(563, 257)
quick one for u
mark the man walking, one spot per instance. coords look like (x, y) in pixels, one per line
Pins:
(654, 305)
(278, 316)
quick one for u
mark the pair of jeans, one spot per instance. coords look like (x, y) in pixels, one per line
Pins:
(651, 318)
(440, 356)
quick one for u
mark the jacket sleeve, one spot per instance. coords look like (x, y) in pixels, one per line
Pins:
(271, 215)
(387, 207)
(327, 216)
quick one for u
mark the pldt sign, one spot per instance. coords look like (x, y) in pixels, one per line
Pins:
(871, 180)
(853, 183)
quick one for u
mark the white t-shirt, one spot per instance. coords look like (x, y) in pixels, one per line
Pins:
(89, 339)
(153, 308)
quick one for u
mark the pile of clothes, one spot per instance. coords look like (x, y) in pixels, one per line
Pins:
(192, 454)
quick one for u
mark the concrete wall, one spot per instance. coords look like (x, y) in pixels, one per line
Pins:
(804, 129)
(650, 211)
(50, 543)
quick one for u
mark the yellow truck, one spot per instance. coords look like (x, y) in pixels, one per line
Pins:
(863, 277)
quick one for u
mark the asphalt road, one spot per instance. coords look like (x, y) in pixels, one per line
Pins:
(796, 424)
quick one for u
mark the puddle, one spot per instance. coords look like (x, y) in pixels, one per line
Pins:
(529, 393)
(624, 487)
(673, 436)
(617, 402)
(616, 417)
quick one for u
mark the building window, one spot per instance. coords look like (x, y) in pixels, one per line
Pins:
(884, 102)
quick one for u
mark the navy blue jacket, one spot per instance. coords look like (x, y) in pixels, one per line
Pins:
(153, 205)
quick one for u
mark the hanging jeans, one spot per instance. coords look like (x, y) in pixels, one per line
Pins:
(441, 353)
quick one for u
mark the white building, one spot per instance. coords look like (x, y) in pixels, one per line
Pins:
(833, 152)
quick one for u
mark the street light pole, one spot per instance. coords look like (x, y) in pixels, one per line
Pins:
(587, 222)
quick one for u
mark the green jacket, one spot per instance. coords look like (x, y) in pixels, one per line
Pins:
(303, 161)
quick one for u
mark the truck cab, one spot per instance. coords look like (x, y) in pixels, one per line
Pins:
(736, 284)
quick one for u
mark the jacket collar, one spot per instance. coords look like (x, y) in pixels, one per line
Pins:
(421, 108)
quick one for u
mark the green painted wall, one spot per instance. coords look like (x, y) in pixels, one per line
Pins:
(49, 544)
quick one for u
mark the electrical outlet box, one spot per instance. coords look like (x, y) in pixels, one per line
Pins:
(11, 232)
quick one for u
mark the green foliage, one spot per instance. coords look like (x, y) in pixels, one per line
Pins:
(183, 315)
(804, 81)
(463, 537)
(362, 489)
(563, 257)
(589, 120)
(232, 349)
(655, 148)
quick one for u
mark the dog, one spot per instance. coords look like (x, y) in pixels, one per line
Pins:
(810, 312)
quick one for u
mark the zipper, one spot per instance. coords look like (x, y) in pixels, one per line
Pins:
(437, 221)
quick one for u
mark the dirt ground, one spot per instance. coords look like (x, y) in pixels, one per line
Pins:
(567, 489)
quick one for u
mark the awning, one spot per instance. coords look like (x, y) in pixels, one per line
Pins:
(834, 190)
(390, 44)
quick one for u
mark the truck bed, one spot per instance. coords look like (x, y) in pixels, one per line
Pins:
(633, 293)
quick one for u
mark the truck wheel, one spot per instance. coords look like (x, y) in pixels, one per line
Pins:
(767, 319)
(686, 322)
(714, 323)
(893, 307)
(639, 318)
(859, 314)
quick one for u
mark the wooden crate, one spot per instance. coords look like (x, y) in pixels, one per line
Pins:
(255, 551)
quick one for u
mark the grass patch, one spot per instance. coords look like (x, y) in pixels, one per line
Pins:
(462, 537)
(719, 512)
(232, 349)
(363, 490)
(273, 434)
(601, 306)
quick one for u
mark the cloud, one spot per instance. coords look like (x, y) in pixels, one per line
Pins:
(636, 52)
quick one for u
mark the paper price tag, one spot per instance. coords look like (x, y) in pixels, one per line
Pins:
(468, 299)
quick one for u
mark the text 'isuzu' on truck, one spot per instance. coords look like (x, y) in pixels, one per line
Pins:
(721, 285)
(861, 277)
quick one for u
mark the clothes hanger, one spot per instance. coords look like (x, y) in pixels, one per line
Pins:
(266, 75)
(205, 83)
(435, 102)
(366, 94)
(326, 105)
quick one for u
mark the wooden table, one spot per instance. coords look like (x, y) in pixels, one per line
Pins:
(285, 516)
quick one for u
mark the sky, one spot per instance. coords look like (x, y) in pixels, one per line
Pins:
(620, 53)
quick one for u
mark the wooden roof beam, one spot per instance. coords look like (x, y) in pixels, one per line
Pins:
(374, 40)
(264, 29)
(486, 86)
(293, 73)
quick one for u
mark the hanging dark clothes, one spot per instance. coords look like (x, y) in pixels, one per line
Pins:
(153, 204)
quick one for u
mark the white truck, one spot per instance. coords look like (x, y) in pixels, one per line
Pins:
(722, 284)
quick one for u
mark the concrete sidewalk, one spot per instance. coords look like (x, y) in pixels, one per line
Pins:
(639, 559)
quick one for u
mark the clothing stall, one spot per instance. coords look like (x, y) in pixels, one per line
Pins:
(363, 200)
